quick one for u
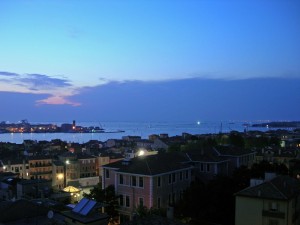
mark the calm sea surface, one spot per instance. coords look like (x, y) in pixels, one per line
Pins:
(142, 129)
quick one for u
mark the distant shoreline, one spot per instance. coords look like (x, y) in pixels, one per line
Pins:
(25, 127)
(293, 124)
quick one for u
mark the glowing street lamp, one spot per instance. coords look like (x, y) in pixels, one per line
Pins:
(141, 153)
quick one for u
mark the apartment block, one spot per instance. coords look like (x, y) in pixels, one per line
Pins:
(154, 181)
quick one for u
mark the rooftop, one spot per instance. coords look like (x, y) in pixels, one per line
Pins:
(281, 188)
(152, 164)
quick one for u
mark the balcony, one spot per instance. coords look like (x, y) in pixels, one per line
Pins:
(41, 165)
(40, 173)
(273, 214)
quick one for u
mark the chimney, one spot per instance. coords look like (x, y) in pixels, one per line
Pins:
(269, 176)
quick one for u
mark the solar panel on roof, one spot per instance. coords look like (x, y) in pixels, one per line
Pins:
(87, 208)
(80, 205)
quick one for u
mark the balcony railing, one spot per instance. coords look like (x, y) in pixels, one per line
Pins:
(41, 172)
(274, 214)
(41, 165)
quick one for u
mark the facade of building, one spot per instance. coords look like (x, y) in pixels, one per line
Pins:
(148, 181)
(272, 202)
(18, 166)
(58, 175)
(40, 167)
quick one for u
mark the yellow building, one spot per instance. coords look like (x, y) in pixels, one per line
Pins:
(273, 202)
(40, 167)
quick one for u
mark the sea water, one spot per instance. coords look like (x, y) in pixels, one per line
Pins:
(143, 129)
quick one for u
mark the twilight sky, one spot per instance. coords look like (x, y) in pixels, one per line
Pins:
(177, 60)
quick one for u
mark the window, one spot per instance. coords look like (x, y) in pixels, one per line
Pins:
(180, 175)
(127, 201)
(107, 173)
(201, 167)
(158, 202)
(207, 167)
(121, 180)
(133, 181)
(186, 174)
(158, 181)
(121, 200)
(141, 182)
(170, 178)
(274, 206)
(173, 198)
(141, 201)
(173, 177)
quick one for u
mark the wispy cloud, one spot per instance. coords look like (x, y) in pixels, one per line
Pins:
(58, 88)
(41, 81)
(57, 100)
(8, 74)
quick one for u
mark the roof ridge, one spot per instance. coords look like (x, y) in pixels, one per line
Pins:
(277, 188)
(148, 166)
(216, 150)
(188, 157)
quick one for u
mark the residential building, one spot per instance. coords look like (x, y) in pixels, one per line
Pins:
(276, 155)
(88, 170)
(238, 156)
(58, 175)
(207, 164)
(18, 166)
(40, 167)
(37, 188)
(148, 181)
(276, 201)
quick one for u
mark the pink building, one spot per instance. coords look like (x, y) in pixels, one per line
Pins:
(155, 181)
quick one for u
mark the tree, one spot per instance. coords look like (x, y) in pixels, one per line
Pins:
(236, 139)
(106, 196)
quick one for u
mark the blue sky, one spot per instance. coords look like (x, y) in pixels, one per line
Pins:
(91, 59)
